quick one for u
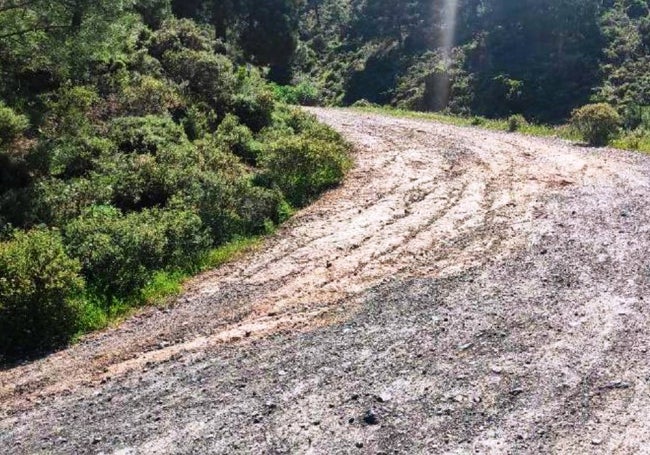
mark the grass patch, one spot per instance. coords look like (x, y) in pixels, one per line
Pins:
(631, 140)
(634, 141)
(564, 132)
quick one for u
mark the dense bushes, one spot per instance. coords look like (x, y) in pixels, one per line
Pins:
(11, 125)
(39, 290)
(119, 253)
(306, 163)
(597, 123)
(163, 150)
(516, 122)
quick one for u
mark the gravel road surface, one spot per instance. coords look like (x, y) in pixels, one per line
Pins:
(464, 291)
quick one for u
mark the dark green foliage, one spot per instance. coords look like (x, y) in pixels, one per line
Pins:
(70, 157)
(139, 137)
(307, 163)
(39, 288)
(119, 253)
(151, 96)
(146, 134)
(12, 125)
(597, 123)
(208, 77)
(178, 35)
(515, 122)
(238, 138)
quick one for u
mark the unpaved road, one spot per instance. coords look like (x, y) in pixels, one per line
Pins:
(464, 291)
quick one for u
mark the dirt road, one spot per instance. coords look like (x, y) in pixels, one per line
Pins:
(464, 291)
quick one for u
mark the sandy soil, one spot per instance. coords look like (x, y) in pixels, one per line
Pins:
(464, 291)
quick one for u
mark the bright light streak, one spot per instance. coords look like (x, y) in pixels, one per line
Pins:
(448, 32)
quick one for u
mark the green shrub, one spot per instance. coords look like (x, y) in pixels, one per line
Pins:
(12, 125)
(254, 109)
(39, 284)
(198, 121)
(209, 77)
(597, 123)
(150, 96)
(516, 122)
(237, 138)
(304, 165)
(146, 134)
(55, 201)
(71, 157)
(304, 94)
(145, 180)
(364, 103)
(477, 121)
(119, 253)
(178, 35)
(69, 110)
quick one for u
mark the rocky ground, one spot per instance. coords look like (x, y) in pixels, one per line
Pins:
(465, 291)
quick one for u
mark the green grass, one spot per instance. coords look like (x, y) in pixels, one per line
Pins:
(564, 131)
(631, 140)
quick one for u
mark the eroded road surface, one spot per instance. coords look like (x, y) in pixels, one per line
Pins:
(464, 291)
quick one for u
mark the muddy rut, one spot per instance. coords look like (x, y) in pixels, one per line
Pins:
(464, 291)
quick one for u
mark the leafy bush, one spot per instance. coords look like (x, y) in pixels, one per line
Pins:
(146, 134)
(177, 35)
(145, 180)
(516, 122)
(39, 285)
(71, 157)
(304, 94)
(151, 96)
(209, 77)
(69, 110)
(55, 202)
(364, 103)
(12, 125)
(119, 253)
(303, 166)
(597, 123)
(237, 138)
(198, 121)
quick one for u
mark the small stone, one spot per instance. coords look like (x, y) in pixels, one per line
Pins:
(596, 442)
(618, 384)
(359, 445)
(370, 418)
(497, 370)
(97, 440)
(383, 398)
(517, 391)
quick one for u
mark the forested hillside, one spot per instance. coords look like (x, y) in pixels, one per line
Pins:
(137, 136)
(539, 58)
(133, 142)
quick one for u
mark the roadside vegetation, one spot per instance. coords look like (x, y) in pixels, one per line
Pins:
(136, 149)
(139, 137)
(501, 62)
